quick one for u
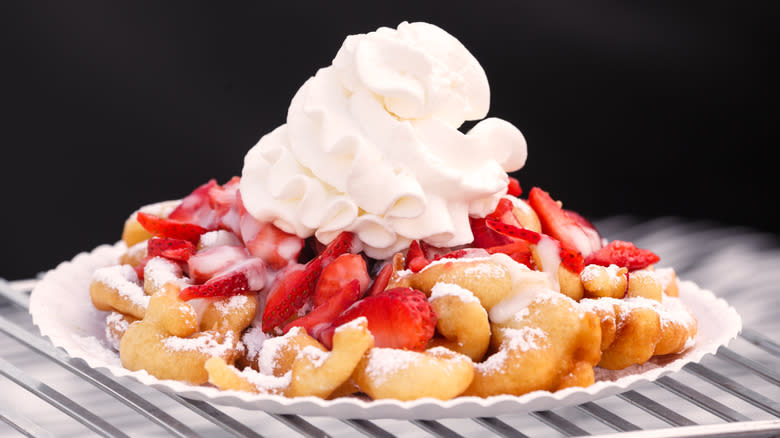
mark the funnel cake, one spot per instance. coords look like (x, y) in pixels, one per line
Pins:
(370, 249)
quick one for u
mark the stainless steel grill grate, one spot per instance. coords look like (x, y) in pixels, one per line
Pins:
(732, 394)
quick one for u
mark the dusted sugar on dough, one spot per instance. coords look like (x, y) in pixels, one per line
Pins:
(407, 375)
(372, 146)
(124, 280)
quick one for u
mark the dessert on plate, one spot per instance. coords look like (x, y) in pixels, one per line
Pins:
(371, 248)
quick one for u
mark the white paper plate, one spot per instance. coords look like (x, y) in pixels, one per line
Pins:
(61, 308)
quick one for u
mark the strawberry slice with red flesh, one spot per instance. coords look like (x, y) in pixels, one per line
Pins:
(382, 280)
(623, 254)
(245, 276)
(513, 188)
(337, 275)
(224, 201)
(171, 228)
(486, 238)
(178, 250)
(566, 227)
(286, 300)
(222, 286)
(323, 314)
(195, 207)
(519, 251)
(397, 318)
(570, 257)
(415, 258)
(275, 246)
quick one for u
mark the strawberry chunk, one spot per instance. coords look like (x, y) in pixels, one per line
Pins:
(382, 280)
(571, 258)
(161, 227)
(324, 313)
(529, 236)
(623, 254)
(415, 258)
(293, 292)
(173, 249)
(513, 188)
(195, 207)
(276, 247)
(519, 251)
(221, 286)
(210, 261)
(224, 201)
(338, 274)
(566, 227)
(397, 318)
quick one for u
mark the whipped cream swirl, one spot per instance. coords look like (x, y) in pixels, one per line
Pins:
(372, 146)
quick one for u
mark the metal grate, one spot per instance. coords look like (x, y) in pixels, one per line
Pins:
(732, 394)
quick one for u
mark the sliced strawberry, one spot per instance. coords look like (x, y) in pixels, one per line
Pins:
(563, 226)
(485, 237)
(570, 257)
(324, 313)
(513, 188)
(170, 228)
(224, 201)
(245, 276)
(519, 251)
(415, 258)
(338, 274)
(623, 254)
(529, 236)
(382, 280)
(275, 246)
(221, 286)
(209, 262)
(397, 318)
(195, 208)
(282, 303)
(462, 254)
(173, 249)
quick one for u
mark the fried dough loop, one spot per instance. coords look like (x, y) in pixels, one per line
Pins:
(462, 321)
(635, 329)
(488, 280)
(552, 344)
(167, 344)
(301, 366)
(409, 375)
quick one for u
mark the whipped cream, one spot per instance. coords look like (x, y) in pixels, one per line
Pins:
(372, 146)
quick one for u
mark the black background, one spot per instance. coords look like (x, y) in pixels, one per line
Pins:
(642, 108)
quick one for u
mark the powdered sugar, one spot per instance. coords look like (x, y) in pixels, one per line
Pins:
(450, 289)
(228, 305)
(160, 271)
(116, 320)
(314, 354)
(270, 349)
(253, 340)
(671, 310)
(124, 280)
(266, 383)
(208, 343)
(383, 362)
(515, 340)
(593, 272)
